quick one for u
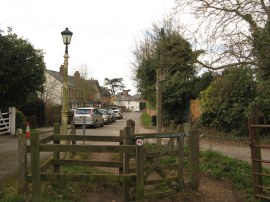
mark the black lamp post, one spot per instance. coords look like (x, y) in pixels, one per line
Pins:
(66, 35)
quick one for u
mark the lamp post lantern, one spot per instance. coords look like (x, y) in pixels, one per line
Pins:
(66, 35)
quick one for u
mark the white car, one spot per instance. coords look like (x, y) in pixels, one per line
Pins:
(118, 113)
(90, 115)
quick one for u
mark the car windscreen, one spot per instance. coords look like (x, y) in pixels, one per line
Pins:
(103, 111)
(83, 111)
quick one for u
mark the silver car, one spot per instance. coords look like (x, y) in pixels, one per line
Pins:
(90, 115)
(106, 116)
(118, 113)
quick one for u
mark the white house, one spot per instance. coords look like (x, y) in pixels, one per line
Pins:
(127, 101)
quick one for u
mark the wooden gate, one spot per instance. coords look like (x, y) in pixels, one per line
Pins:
(160, 171)
(7, 121)
(134, 175)
(260, 175)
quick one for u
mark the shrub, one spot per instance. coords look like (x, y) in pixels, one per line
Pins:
(20, 120)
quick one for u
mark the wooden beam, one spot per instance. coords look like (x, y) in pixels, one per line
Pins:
(88, 148)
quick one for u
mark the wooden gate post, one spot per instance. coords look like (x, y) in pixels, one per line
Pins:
(194, 154)
(22, 157)
(73, 132)
(122, 134)
(131, 124)
(254, 135)
(180, 158)
(35, 167)
(139, 170)
(56, 155)
(126, 158)
(12, 120)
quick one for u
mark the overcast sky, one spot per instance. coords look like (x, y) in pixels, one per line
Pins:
(104, 31)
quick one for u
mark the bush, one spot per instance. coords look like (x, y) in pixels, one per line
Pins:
(225, 102)
(52, 113)
(35, 107)
(20, 120)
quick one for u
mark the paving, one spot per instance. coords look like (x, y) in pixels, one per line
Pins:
(9, 153)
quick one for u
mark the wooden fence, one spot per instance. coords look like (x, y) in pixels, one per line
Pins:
(133, 173)
(261, 190)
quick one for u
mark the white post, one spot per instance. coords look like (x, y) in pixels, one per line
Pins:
(12, 120)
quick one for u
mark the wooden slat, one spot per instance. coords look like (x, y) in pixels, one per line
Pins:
(159, 194)
(169, 166)
(66, 177)
(115, 164)
(260, 146)
(262, 160)
(156, 154)
(88, 148)
(160, 181)
(46, 140)
(44, 166)
(262, 174)
(259, 126)
(262, 196)
(268, 188)
(159, 135)
(88, 138)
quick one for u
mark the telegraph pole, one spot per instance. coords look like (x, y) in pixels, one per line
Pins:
(159, 77)
(158, 100)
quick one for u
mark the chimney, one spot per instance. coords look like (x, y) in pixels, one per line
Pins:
(125, 92)
(77, 75)
(61, 70)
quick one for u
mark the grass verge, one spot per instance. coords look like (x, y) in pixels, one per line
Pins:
(146, 120)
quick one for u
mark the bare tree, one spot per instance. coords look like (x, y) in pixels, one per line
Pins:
(84, 91)
(227, 30)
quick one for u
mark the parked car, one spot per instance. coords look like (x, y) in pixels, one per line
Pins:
(93, 117)
(118, 113)
(106, 116)
(112, 114)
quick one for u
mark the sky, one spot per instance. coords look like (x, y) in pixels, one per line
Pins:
(104, 32)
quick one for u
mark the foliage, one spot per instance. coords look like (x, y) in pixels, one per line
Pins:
(114, 85)
(35, 106)
(20, 120)
(21, 70)
(225, 102)
(52, 113)
(167, 50)
(178, 94)
(261, 50)
(263, 99)
(234, 33)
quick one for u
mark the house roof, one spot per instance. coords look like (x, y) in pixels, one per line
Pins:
(71, 80)
(126, 98)
(58, 77)
(137, 96)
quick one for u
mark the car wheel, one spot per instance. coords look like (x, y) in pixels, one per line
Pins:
(96, 124)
